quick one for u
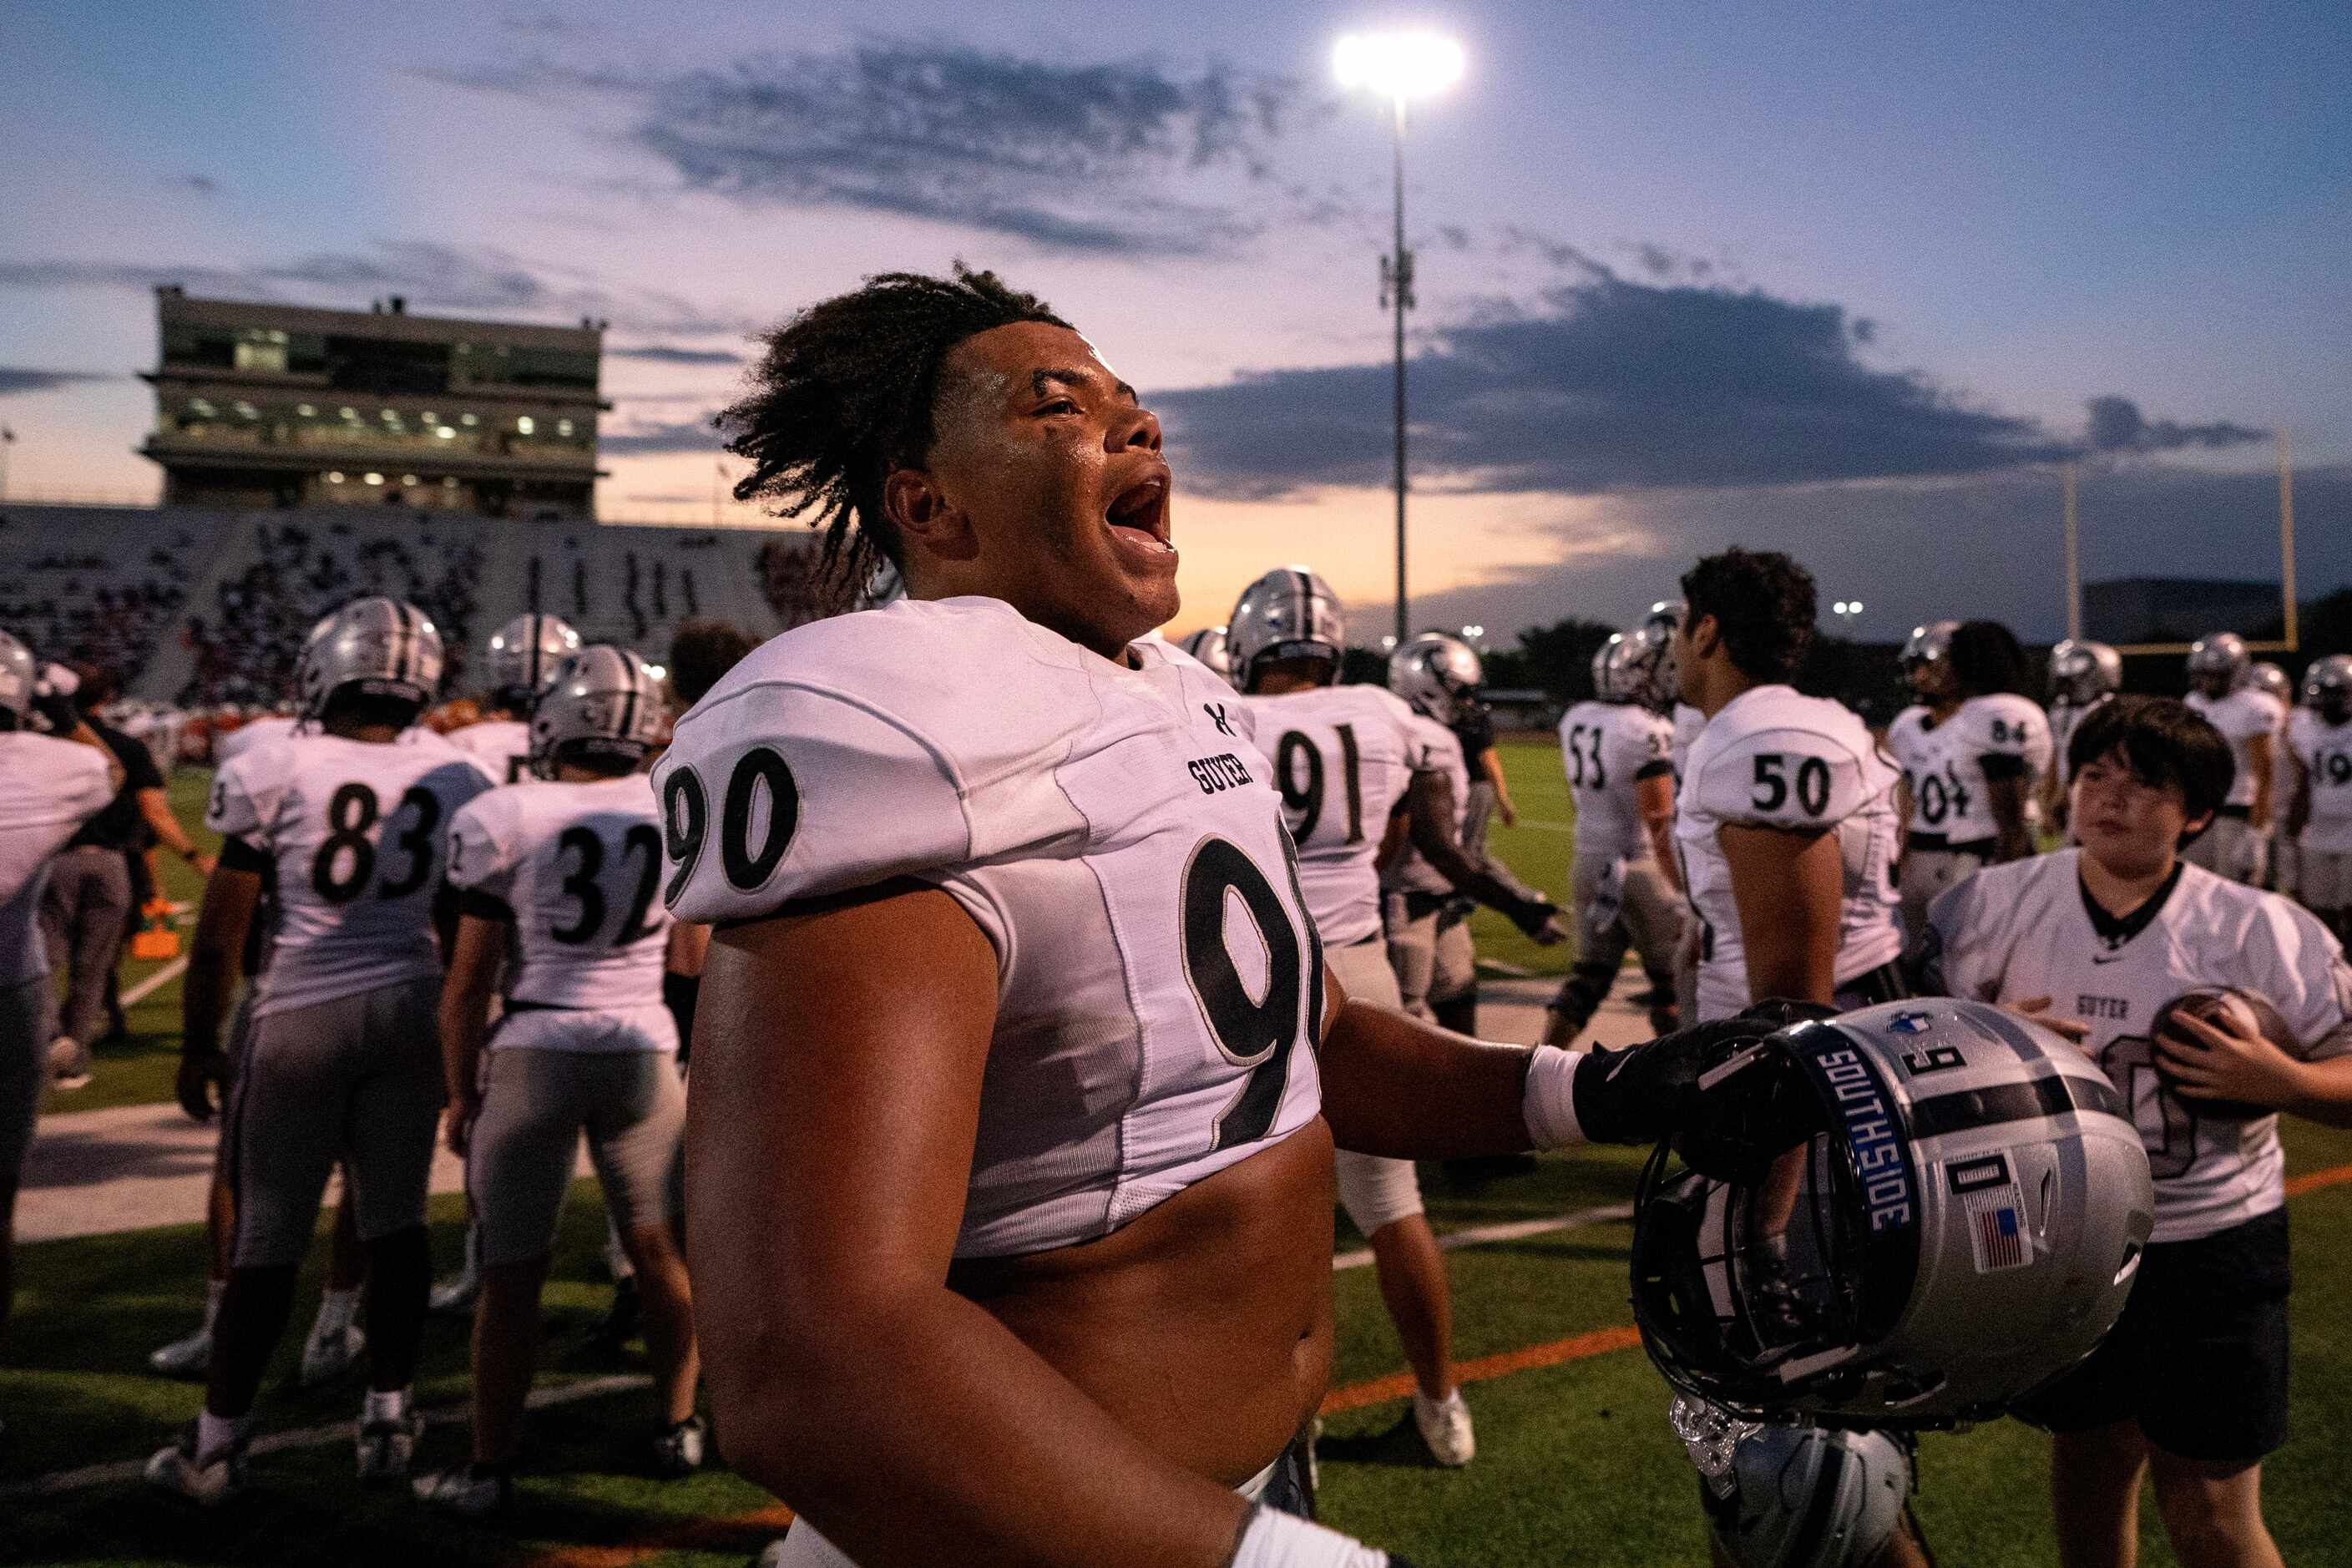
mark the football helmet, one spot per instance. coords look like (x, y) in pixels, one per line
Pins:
(2217, 661)
(524, 656)
(385, 646)
(1926, 657)
(602, 702)
(1289, 613)
(17, 672)
(1663, 677)
(2328, 686)
(1208, 646)
(1795, 1497)
(2264, 676)
(1613, 668)
(1953, 1166)
(1439, 675)
(2080, 672)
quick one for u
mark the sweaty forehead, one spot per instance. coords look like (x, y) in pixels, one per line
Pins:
(1012, 360)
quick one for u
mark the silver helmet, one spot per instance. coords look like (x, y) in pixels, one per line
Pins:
(602, 700)
(17, 672)
(1208, 646)
(2082, 672)
(1613, 676)
(524, 656)
(385, 646)
(1289, 613)
(2328, 686)
(1928, 648)
(2265, 676)
(1439, 675)
(1795, 1497)
(2219, 658)
(1970, 1169)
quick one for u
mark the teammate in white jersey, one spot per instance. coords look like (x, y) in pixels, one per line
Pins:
(1785, 825)
(342, 1061)
(2236, 846)
(253, 733)
(1004, 1140)
(2100, 941)
(557, 881)
(1617, 751)
(2320, 792)
(2083, 675)
(49, 786)
(520, 660)
(1347, 760)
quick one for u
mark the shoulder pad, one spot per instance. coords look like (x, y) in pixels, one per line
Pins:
(1789, 775)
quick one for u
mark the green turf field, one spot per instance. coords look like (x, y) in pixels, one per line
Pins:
(1576, 1465)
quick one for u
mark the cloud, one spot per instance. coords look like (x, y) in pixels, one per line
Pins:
(1123, 158)
(1606, 385)
(677, 435)
(671, 353)
(2117, 425)
(22, 378)
(202, 184)
(475, 278)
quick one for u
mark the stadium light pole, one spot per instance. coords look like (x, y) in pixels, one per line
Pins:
(1399, 67)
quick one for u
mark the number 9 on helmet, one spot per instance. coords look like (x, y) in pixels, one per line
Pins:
(1964, 1223)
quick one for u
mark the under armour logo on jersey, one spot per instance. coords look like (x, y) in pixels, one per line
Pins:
(1216, 712)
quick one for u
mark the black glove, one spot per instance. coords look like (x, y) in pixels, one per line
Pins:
(1646, 1093)
(53, 698)
(1532, 913)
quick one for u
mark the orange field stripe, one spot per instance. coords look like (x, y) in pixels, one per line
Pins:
(710, 1533)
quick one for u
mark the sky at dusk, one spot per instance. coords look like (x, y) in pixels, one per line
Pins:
(1851, 282)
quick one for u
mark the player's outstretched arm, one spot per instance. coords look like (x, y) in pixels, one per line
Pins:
(833, 1110)
(1429, 819)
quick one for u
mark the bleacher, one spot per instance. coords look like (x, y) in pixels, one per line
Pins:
(204, 606)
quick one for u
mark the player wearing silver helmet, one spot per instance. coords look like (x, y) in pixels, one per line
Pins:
(1348, 760)
(340, 1065)
(1616, 749)
(2083, 675)
(1920, 741)
(2319, 791)
(1796, 1496)
(2111, 943)
(50, 787)
(557, 878)
(2237, 843)
(1208, 646)
(521, 660)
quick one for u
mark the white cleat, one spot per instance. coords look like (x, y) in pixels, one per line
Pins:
(1445, 1428)
(467, 1491)
(386, 1447)
(327, 1355)
(207, 1485)
(454, 1297)
(187, 1357)
(679, 1449)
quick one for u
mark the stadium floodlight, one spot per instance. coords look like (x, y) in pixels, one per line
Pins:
(1399, 67)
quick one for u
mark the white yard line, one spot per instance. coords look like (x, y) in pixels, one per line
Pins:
(122, 1470)
(1515, 1231)
(134, 995)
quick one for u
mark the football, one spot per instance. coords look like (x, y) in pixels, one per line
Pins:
(2243, 1011)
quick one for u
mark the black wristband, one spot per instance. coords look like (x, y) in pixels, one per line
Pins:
(61, 712)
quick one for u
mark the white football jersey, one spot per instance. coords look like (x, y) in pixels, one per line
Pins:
(1688, 723)
(2325, 751)
(1115, 832)
(1435, 750)
(2026, 929)
(49, 788)
(233, 743)
(1343, 759)
(1772, 758)
(579, 867)
(2248, 719)
(357, 832)
(1949, 765)
(1605, 749)
(2064, 718)
(500, 745)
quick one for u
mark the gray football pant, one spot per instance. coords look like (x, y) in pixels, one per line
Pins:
(85, 914)
(1376, 1192)
(1648, 921)
(25, 1034)
(2230, 848)
(1926, 874)
(1433, 960)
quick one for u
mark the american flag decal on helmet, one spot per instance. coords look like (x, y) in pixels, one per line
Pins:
(1997, 1229)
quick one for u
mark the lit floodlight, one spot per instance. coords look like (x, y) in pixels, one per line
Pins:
(1398, 65)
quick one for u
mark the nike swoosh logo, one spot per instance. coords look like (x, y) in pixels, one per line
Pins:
(2108, 957)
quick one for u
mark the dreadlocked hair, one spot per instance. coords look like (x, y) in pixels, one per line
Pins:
(844, 393)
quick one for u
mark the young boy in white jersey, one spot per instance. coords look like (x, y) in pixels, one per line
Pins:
(2236, 846)
(50, 787)
(2099, 942)
(557, 880)
(2320, 794)
(1346, 761)
(1616, 748)
(342, 1061)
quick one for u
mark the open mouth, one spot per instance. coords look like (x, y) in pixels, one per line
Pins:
(1142, 508)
